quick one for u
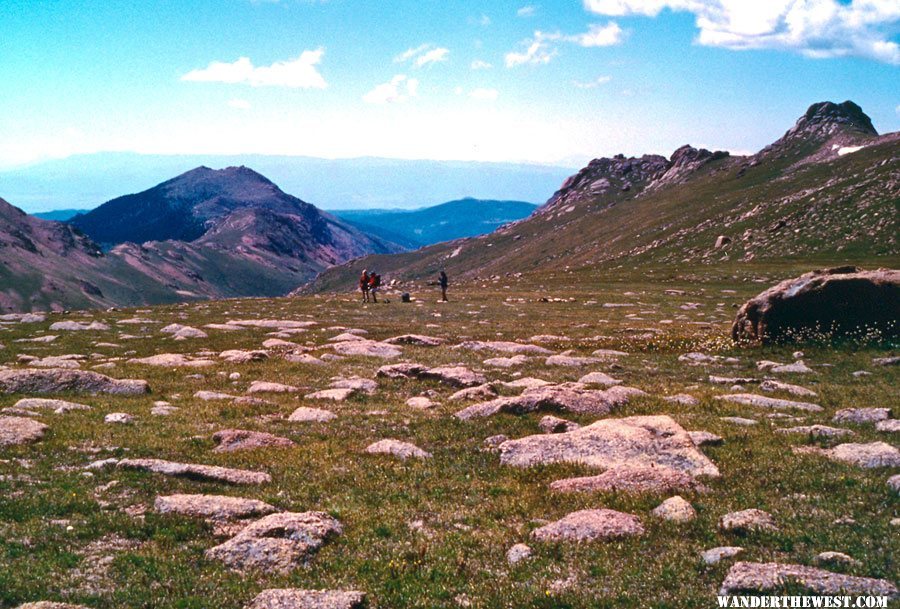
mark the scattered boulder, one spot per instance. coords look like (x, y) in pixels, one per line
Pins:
(208, 396)
(311, 415)
(479, 392)
(401, 371)
(599, 378)
(367, 348)
(551, 424)
(51, 605)
(57, 406)
(355, 383)
(861, 415)
(750, 577)
(590, 525)
(888, 426)
(172, 360)
(77, 326)
(527, 382)
(20, 430)
(683, 399)
(817, 431)
(705, 438)
(797, 390)
(193, 471)
(649, 441)
(277, 543)
(403, 450)
(886, 361)
(239, 356)
(455, 376)
(570, 361)
(231, 440)
(836, 558)
(118, 418)
(267, 387)
(868, 456)
(894, 483)
(633, 479)
(292, 598)
(337, 395)
(715, 555)
(506, 362)
(518, 553)
(746, 521)
(212, 507)
(418, 340)
(56, 380)
(675, 509)
(420, 402)
(843, 301)
(501, 346)
(180, 332)
(568, 397)
(761, 401)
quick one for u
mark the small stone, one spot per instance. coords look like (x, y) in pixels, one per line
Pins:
(747, 521)
(311, 415)
(518, 553)
(599, 378)
(675, 509)
(705, 438)
(267, 387)
(119, 418)
(716, 555)
(861, 415)
(888, 426)
(207, 396)
(836, 558)
(551, 424)
(420, 402)
(894, 483)
(336, 395)
(403, 450)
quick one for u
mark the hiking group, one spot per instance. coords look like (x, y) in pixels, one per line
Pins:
(370, 282)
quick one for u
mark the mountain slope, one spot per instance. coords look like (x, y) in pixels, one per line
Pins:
(60, 215)
(828, 190)
(447, 221)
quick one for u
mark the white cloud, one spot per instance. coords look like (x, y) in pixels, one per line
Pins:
(423, 55)
(539, 51)
(432, 56)
(600, 35)
(526, 11)
(814, 28)
(484, 94)
(300, 73)
(478, 64)
(593, 84)
(240, 104)
(398, 90)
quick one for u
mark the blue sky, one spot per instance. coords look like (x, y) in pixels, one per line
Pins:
(546, 82)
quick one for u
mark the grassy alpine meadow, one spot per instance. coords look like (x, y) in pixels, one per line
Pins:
(434, 533)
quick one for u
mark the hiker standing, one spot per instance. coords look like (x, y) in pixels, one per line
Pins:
(364, 285)
(374, 284)
(444, 282)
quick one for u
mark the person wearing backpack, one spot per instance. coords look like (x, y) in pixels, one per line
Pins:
(374, 284)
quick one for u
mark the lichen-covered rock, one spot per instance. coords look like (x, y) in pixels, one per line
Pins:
(20, 430)
(212, 507)
(590, 525)
(746, 521)
(843, 301)
(762, 401)
(193, 471)
(304, 414)
(568, 397)
(861, 415)
(675, 509)
(55, 380)
(291, 598)
(750, 577)
(633, 479)
(231, 440)
(403, 450)
(277, 543)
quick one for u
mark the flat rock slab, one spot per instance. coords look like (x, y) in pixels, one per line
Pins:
(76, 326)
(455, 376)
(417, 340)
(571, 361)
(56, 380)
(479, 392)
(208, 396)
(51, 605)
(817, 431)
(277, 543)
(868, 456)
(193, 471)
(231, 440)
(501, 346)
(568, 397)
(336, 395)
(888, 426)
(401, 371)
(788, 388)
(172, 360)
(590, 525)
(761, 401)
(268, 387)
(861, 415)
(746, 521)
(599, 378)
(213, 507)
(238, 356)
(305, 414)
(750, 577)
(180, 331)
(277, 324)
(716, 555)
(291, 598)
(705, 438)
(57, 406)
(647, 441)
(20, 430)
(403, 450)
(631, 479)
(367, 348)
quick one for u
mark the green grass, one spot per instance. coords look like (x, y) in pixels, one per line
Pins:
(433, 534)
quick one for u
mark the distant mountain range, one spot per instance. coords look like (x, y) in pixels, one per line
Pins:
(828, 191)
(59, 215)
(84, 181)
(452, 220)
(204, 234)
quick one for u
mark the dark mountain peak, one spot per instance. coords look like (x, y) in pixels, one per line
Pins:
(231, 181)
(688, 155)
(847, 113)
(841, 124)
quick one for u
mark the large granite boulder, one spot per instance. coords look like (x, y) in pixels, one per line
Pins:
(844, 301)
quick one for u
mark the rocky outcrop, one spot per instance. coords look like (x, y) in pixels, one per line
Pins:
(193, 471)
(20, 430)
(838, 302)
(766, 578)
(292, 598)
(567, 397)
(60, 380)
(590, 525)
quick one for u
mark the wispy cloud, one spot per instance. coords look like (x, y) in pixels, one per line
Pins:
(484, 94)
(814, 28)
(423, 55)
(538, 51)
(542, 47)
(398, 90)
(239, 104)
(593, 84)
(478, 64)
(527, 11)
(299, 73)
